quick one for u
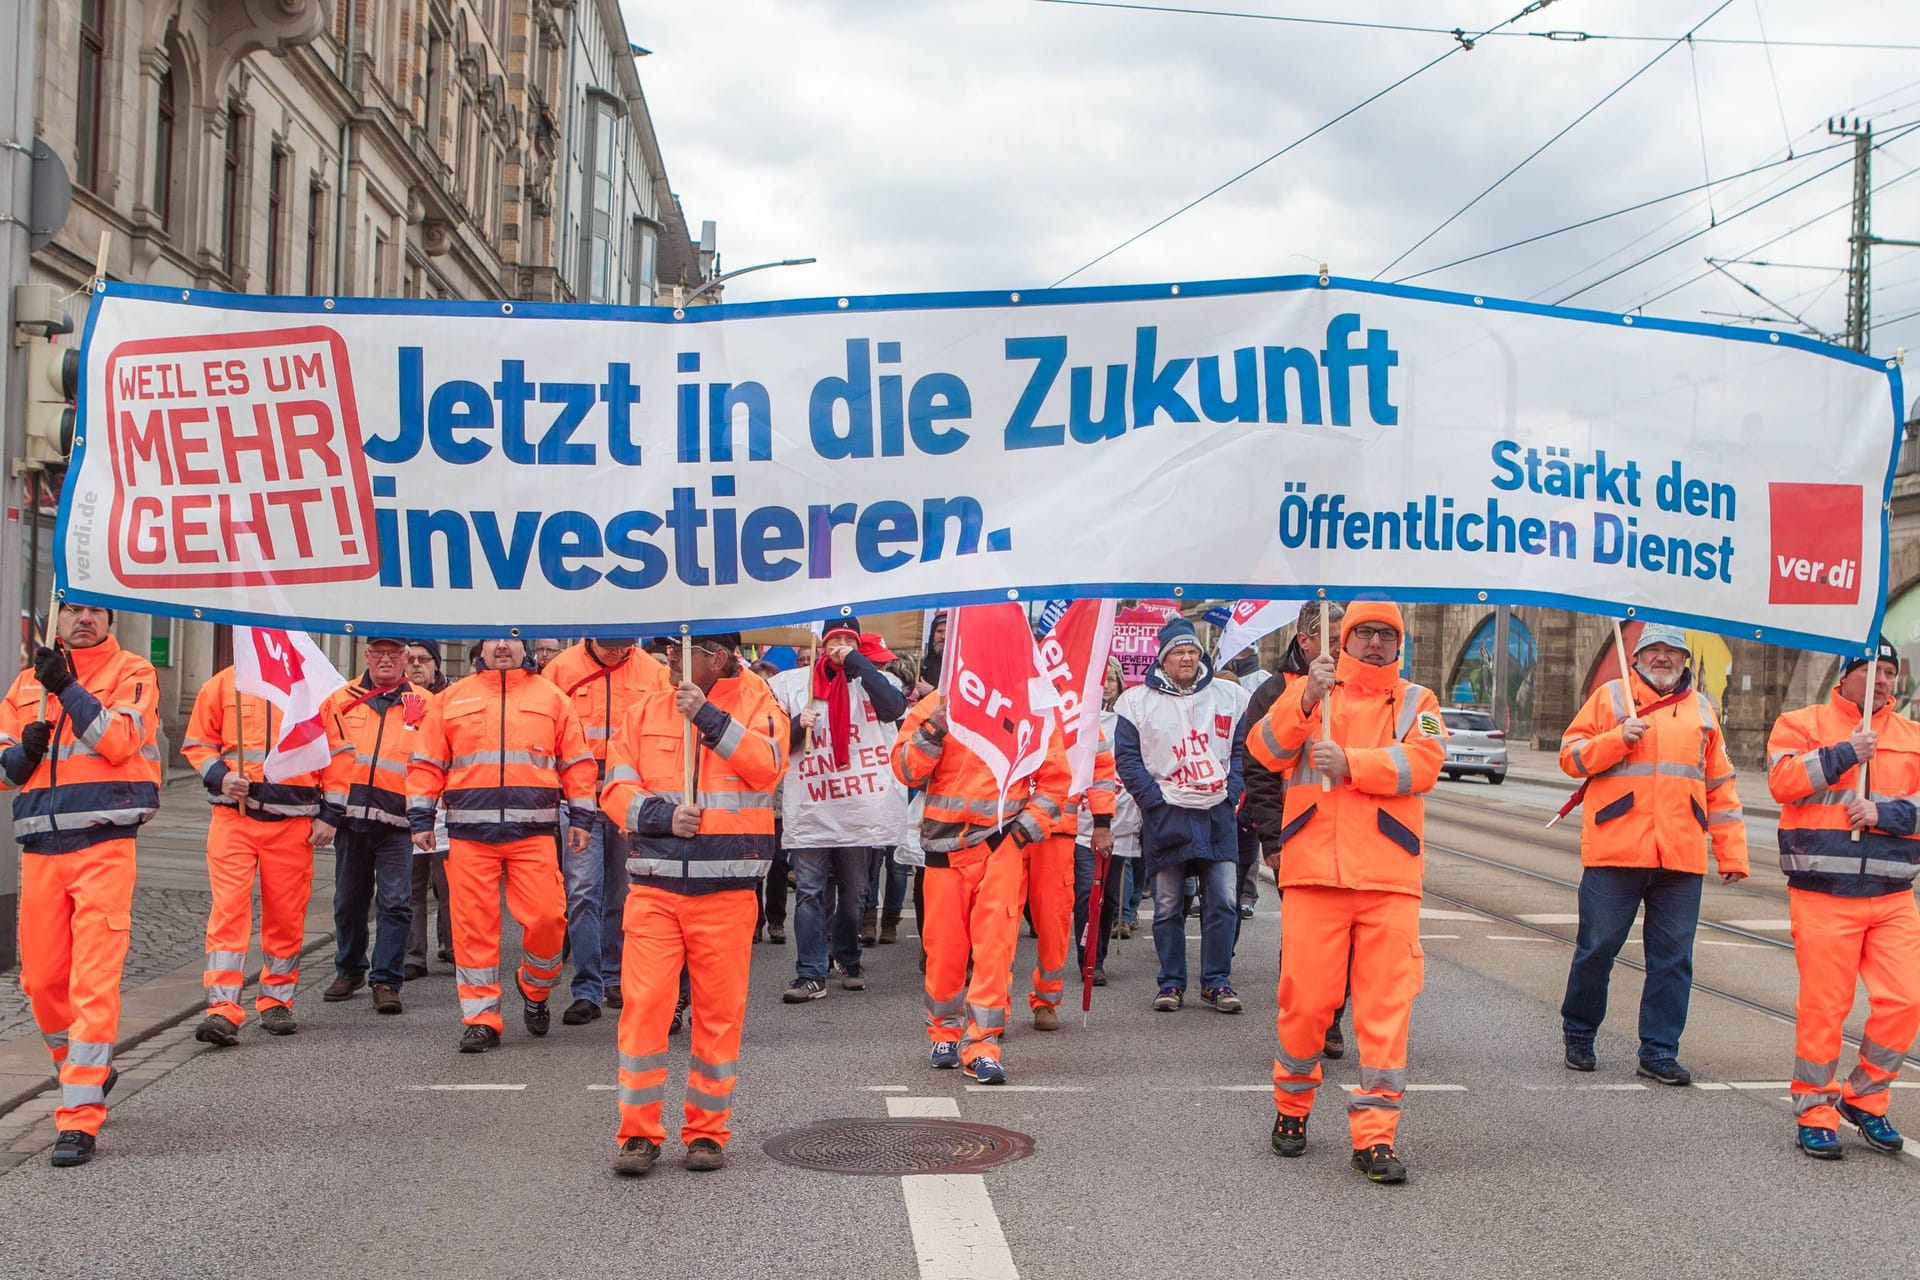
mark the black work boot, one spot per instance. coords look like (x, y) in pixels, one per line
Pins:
(479, 1039)
(73, 1147)
(218, 1030)
(537, 1017)
(1379, 1163)
(1289, 1136)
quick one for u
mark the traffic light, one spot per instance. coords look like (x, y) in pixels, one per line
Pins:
(53, 386)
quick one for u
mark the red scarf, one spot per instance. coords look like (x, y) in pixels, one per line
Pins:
(830, 684)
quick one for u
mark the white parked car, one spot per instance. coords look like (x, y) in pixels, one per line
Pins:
(1474, 745)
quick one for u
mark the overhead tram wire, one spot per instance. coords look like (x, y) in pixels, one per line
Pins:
(1459, 34)
(1568, 128)
(1632, 208)
(1695, 235)
(1425, 67)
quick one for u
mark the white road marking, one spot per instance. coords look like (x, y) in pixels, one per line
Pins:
(1712, 1085)
(1757, 1084)
(1757, 924)
(468, 1088)
(1029, 1088)
(956, 1234)
(1436, 937)
(1508, 937)
(883, 1088)
(1551, 917)
(603, 1088)
(1435, 913)
(1418, 1088)
(1718, 942)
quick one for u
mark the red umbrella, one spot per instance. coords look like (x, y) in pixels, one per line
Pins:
(1090, 936)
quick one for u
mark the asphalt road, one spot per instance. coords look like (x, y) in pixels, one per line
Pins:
(361, 1147)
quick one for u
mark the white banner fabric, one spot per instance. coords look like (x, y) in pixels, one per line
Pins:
(455, 468)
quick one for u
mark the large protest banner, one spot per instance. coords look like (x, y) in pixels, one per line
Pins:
(459, 467)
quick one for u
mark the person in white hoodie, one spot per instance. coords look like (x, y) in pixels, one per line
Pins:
(1175, 750)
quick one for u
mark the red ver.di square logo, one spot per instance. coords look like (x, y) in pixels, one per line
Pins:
(237, 462)
(1817, 531)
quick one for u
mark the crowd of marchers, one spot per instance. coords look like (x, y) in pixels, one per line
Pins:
(646, 808)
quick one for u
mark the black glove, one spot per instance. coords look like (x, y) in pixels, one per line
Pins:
(50, 668)
(34, 741)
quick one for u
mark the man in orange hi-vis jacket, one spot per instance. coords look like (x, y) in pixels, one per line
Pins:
(501, 749)
(972, 886)
(696, 863)
(77, 749)
(1850, 861)
(259, 828)
(1351, 873)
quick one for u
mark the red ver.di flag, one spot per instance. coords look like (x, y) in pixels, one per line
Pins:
(289, 671)
(1075, 656)
(999, 699)
(1252, 622)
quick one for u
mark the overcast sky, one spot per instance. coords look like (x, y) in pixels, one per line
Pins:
(913, 145)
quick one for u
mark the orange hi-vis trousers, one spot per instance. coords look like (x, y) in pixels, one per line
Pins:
(972, 910)
(281, 855)
(75, 914)
(711, 934)
(537, 900)
(1046, 868)
(1836, 941)
(1322, 931)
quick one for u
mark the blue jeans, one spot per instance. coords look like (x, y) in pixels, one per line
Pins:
(1083, 865)
(596, 880)
(1219, 922)
(1132, 884)
(832, 881)
(898, 878)
(372, 869)
(1609, 897)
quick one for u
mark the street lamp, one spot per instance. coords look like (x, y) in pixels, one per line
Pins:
(725, 276)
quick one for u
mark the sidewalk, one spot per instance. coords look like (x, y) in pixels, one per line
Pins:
(1528, 764)
(161, 983)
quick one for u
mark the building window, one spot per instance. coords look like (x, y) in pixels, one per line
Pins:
(316, 218)
(93, 59)
(163, 152)
(230, 195)
(382, 286)
(640, 261)
(598, 259)
(276, 220)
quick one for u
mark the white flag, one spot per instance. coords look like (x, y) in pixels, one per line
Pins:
(1252, 621)
(289, 671)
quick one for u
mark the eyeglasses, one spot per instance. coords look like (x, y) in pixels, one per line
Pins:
(1366, 634)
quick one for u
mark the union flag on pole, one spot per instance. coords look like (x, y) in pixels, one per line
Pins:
(999, 699)
(1252, 621)
(289, 671)
(1075, 657)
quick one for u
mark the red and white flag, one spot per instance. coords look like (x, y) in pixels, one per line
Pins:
(1252, 621)
(999, 699)
(289, 671)
(1074, 655)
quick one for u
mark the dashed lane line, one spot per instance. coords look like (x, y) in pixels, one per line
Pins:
(1758, 924)
(1439, 937)
(1437, 913)
(956, 1233)
(468, 1088)
(1510, 937)
(1029, 1088)
(1551, 917)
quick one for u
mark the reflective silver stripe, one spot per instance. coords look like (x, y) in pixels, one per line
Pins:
(421, 757)
(56, 1040)
(947, 1013)
(1807, 1071)
(596, 732)
(474, 1008)
(1409, 711)
(1402, 769)
(1721, 781)
(282, 966)
(1721, 817)
(226, 959)
(539, 983)
(222, 994)
(338, 798)
(926, 742)
(1617, 691)
(647, 1097)
(709, 1101)
(1888, 1060)
(1103, 784)
(1280, 753)
(488, 977)
(1306, 775)
(1861, 1084)
(696, 869)
(1294, 1066)
(1816, 776)
(730, 740)
(633, 812)
(540, 962)
(1031, 825)
(278, 989)
(623, 773)
(1805, 1102)
(1045, 804)
(1576, 747)
(421, 804)
(988, 809)
(585, 757)
(1665, 768)
(552, 814)
(83, 1095)
(90, 1053)
(1777, 757)
(97, 730)
(1296, 1086)
(187, 744)
(1372, 1102)
(987, 1019)
(652, 1062)
(715, 1070)
(83, 818)
(1383, 1079)
(367, 813)
(1053, 975)
(284, 810)
(1842, 798)
(1834, 864)
(540, 759)
(734, 801)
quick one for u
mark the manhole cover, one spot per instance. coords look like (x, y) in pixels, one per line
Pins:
(897, 1148)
